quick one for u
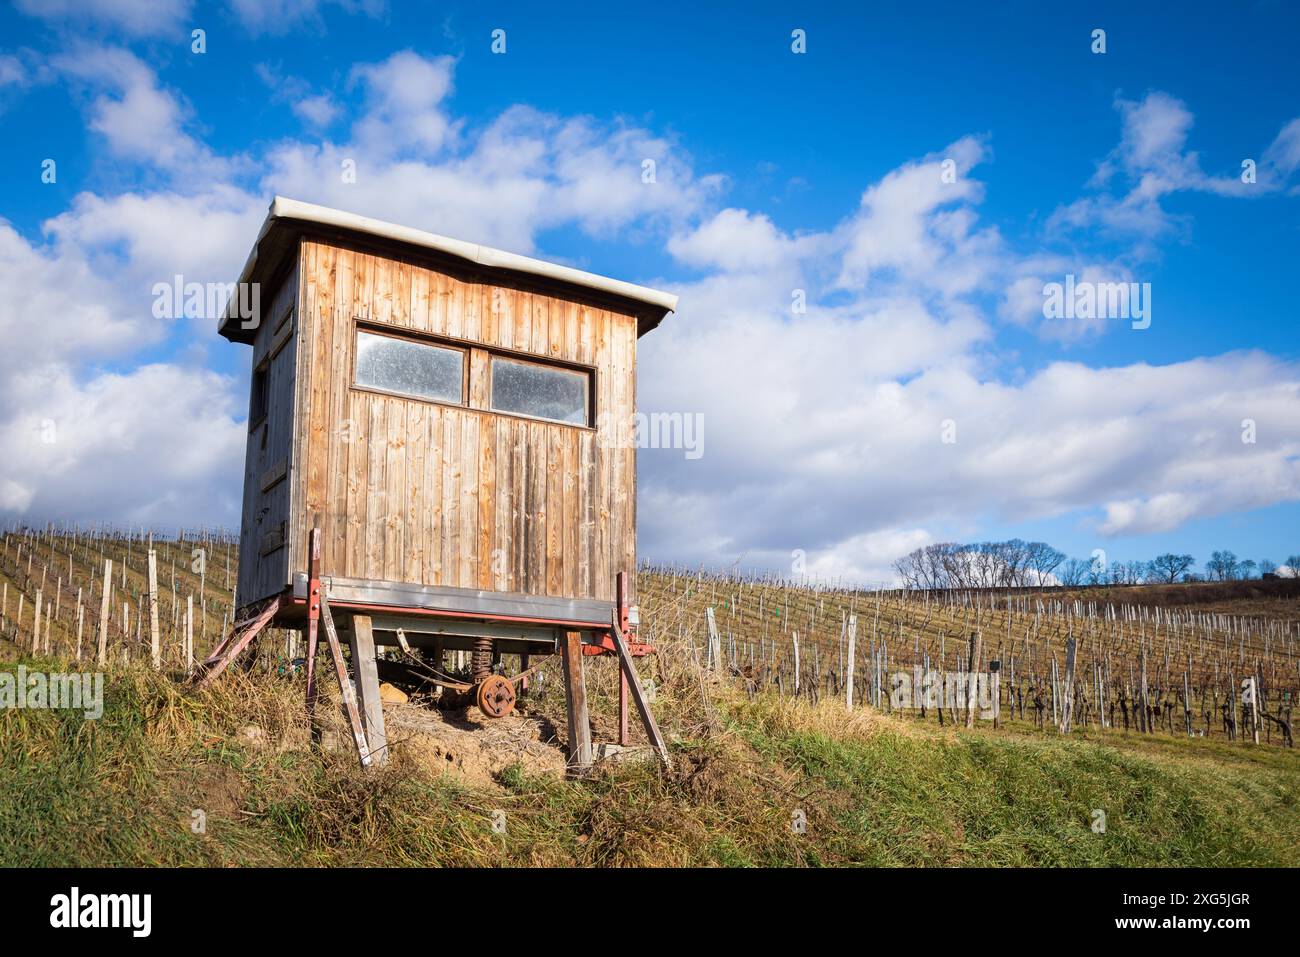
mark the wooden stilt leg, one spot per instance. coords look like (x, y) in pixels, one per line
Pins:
(313, 618)
(345, 686)
(622, 707)
(575, 691)
(638, 696)
(367, 674)
(232, 647)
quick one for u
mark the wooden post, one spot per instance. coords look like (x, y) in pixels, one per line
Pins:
(154, 647)
(1067, 700)
(189, 633)
(1254, 707)
(345, 686)
(314, 599)
(103, 611)
(633, 681)
(794, 638)
(362, 642)
(850, 666)
(715, 641)
(972, 677)
(575, 690)
(36, 624)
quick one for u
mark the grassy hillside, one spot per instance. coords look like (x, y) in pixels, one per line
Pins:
(874, 790)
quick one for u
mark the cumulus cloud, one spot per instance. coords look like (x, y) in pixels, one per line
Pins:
(1153, 161)
(160, 444)
(140, 120)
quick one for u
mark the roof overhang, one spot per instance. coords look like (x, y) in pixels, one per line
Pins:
(289, 219)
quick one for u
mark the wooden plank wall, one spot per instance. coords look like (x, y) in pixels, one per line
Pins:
(411, 491)
(270, 451)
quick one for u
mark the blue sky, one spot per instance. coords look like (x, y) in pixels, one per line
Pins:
(776, 171)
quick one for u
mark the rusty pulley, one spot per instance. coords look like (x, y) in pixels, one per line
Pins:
(496, 696)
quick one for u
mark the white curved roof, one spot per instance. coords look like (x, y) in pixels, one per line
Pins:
(283, 208)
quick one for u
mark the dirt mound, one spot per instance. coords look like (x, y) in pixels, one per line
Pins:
(470, 746)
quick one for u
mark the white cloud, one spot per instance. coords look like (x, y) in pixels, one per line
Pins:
(159, 444)
(140, 18)
(283, 16)
(404, 104)
(318, 111)
(1153, 160)
(139, 120)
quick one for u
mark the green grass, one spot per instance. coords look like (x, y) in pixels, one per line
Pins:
(874, 791)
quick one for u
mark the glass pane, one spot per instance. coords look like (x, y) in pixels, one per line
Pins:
(411, 368)
(539, 391)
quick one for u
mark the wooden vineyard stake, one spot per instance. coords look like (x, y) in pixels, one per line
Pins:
(345, 686)
(972, 678)
(36, 625)
(575, 691)
(1067, 693)
(852, 636)
(155, 648)
(638, 693)
(103, 611)
(715, 640)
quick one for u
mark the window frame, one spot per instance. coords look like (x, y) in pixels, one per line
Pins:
(469, 348)
(588, 397)
(259, 397)
(423, 340)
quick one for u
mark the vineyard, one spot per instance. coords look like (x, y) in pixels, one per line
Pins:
(782, 703)
(1038, 656)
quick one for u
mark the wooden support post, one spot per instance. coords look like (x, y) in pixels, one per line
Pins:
(638, 695)
(622, 708)
(314, 599)
(230, 648)
(345, 686)
(362, 641)
(104, 605)
(155, 647)
(575, 691)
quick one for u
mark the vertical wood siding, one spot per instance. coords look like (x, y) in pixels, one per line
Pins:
(265, 570)
(411, 491)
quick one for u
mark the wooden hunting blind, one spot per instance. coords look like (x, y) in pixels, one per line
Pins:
(434, 446)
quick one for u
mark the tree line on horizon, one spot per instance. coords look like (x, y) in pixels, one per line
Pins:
(1016, 563)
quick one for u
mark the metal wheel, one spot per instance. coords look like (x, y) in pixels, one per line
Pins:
(496, 696)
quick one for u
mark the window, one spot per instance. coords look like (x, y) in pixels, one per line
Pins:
(407, 367)
(540, 391)
(257, 406)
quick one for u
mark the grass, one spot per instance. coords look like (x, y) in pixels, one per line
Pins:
(874, 790)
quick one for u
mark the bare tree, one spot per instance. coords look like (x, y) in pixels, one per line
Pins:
(1168, 568)
(1223, 566)
(1075, 571)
